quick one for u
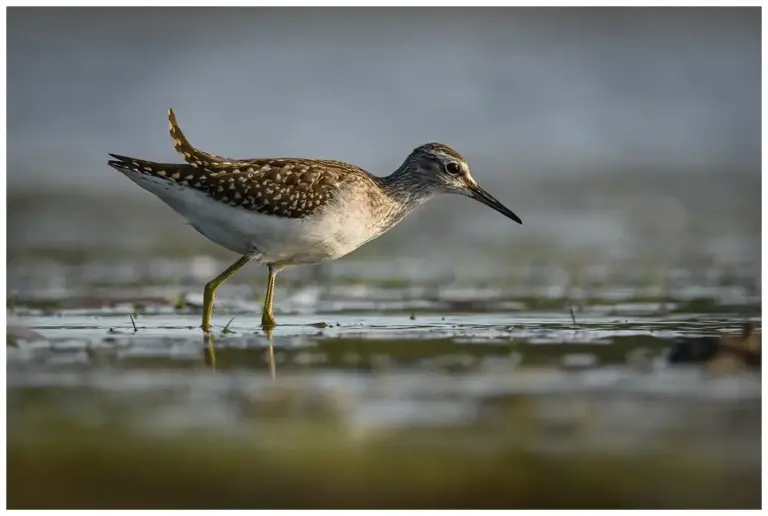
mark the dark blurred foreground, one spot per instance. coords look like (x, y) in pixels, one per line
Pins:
(312, 467)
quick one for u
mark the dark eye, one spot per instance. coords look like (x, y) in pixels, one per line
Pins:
(453, 167)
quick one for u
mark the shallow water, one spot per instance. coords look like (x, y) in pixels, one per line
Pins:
(484, 379)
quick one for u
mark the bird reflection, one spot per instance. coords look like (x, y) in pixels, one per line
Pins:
(268, 330)
(209, 352)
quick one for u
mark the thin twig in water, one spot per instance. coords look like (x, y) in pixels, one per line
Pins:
(135, 329)
(226, 328)
(573, 316)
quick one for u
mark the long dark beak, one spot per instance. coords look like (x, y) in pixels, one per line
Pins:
(484, 197)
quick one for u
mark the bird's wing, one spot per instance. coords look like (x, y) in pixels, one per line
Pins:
(285, 187)
(189, 152)
(293, 188)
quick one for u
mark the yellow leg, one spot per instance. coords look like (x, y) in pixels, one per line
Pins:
(267, 319)
(210, 290)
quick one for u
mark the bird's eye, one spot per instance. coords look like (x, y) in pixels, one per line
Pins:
(453, 167)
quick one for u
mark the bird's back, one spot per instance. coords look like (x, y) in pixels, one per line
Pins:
(283, 187)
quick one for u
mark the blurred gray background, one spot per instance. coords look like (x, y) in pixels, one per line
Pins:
(625, 132)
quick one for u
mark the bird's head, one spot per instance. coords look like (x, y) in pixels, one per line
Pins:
(443, 169)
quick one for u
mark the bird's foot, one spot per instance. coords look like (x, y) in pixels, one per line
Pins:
(268, 320)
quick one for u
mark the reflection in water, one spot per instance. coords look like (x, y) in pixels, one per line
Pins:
(272, 367)
(269, 331)
(209, 352)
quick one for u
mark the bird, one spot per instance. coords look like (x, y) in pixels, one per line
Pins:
(286, 212)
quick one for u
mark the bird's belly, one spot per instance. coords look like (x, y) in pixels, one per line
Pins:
(269, 238)
(305, 241)
(280, 240)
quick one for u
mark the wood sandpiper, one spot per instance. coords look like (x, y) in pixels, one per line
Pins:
(283, 212)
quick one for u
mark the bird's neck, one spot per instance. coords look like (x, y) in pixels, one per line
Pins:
(404, 194)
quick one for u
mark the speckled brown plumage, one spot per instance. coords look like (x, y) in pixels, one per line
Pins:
(292, 188)
(284, 187)
(192, 155)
